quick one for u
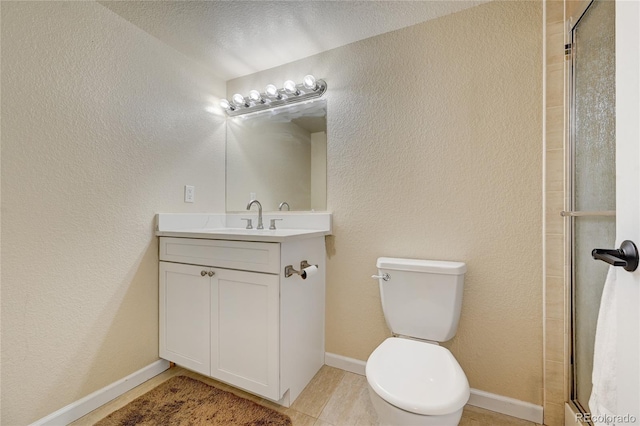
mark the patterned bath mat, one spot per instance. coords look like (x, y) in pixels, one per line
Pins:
(185, 401)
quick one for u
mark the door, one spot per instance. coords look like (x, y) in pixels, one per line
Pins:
(592, 180)
(628, 204)
(244, 331)
(184, 313)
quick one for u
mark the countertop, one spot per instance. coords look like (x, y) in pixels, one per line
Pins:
(241, 234)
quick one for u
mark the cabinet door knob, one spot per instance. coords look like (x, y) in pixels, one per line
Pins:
(203, 273)
(211, 273)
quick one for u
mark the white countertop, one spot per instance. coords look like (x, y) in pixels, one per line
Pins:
(240, 234)
(229, 226)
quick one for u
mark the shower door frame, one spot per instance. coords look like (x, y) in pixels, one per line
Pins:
(570, 249)
(570, 202)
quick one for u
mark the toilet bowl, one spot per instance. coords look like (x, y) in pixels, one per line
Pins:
(412, 380)
(416, 383)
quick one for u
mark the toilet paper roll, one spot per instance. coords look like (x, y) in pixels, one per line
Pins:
(308, 271)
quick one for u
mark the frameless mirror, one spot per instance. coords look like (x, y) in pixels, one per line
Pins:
(277, 157)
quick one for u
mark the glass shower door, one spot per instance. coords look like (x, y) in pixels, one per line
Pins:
(592, 179)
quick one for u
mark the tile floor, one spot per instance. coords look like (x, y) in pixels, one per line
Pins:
(333, 398)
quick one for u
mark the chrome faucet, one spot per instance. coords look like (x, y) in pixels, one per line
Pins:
(252, 202)
(282, 204)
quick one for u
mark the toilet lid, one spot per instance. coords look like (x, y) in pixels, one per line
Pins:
(418, 377)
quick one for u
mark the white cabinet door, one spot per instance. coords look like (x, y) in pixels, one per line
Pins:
(244, 331)
(185, 316)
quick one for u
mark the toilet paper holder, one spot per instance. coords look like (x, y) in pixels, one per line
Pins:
(289, 270)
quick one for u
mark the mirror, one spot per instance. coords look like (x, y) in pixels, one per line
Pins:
(278, 156)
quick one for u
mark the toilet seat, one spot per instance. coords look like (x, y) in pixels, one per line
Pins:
(418, 377)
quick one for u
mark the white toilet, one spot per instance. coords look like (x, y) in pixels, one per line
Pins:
(412, 380)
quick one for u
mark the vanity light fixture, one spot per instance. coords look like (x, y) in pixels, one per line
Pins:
(309, 89)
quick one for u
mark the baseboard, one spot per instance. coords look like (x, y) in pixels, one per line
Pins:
(81, 407)
(505, 405)
(489, 401)
(344, 363)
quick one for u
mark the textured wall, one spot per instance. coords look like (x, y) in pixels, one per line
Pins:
(102, 125)
(434, 151)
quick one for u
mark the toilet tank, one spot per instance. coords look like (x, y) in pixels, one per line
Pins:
(422, 298)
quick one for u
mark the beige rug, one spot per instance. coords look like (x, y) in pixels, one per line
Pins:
(182, 400)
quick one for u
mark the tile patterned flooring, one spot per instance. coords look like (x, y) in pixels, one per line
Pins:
(333, 398)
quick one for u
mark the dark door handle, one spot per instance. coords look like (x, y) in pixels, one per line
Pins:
(626, 256)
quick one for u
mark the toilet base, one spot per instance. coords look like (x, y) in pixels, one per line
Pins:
(390, 415)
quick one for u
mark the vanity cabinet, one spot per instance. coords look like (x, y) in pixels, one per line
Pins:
(227, 311)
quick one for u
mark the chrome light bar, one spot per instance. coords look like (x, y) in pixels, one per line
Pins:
(273, 97)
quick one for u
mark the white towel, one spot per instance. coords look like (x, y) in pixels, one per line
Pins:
(603, 401)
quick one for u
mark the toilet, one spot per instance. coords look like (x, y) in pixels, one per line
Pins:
(412, 380)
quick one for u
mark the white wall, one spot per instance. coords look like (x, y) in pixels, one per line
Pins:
(434, 151)
(102, 125)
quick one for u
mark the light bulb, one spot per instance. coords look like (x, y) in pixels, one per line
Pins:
(254, 95)
(238, 99)
(309, 82)
(271, 90)
(290, 87)
(226, 105)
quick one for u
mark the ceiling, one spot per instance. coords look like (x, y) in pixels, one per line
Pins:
(236, 38)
